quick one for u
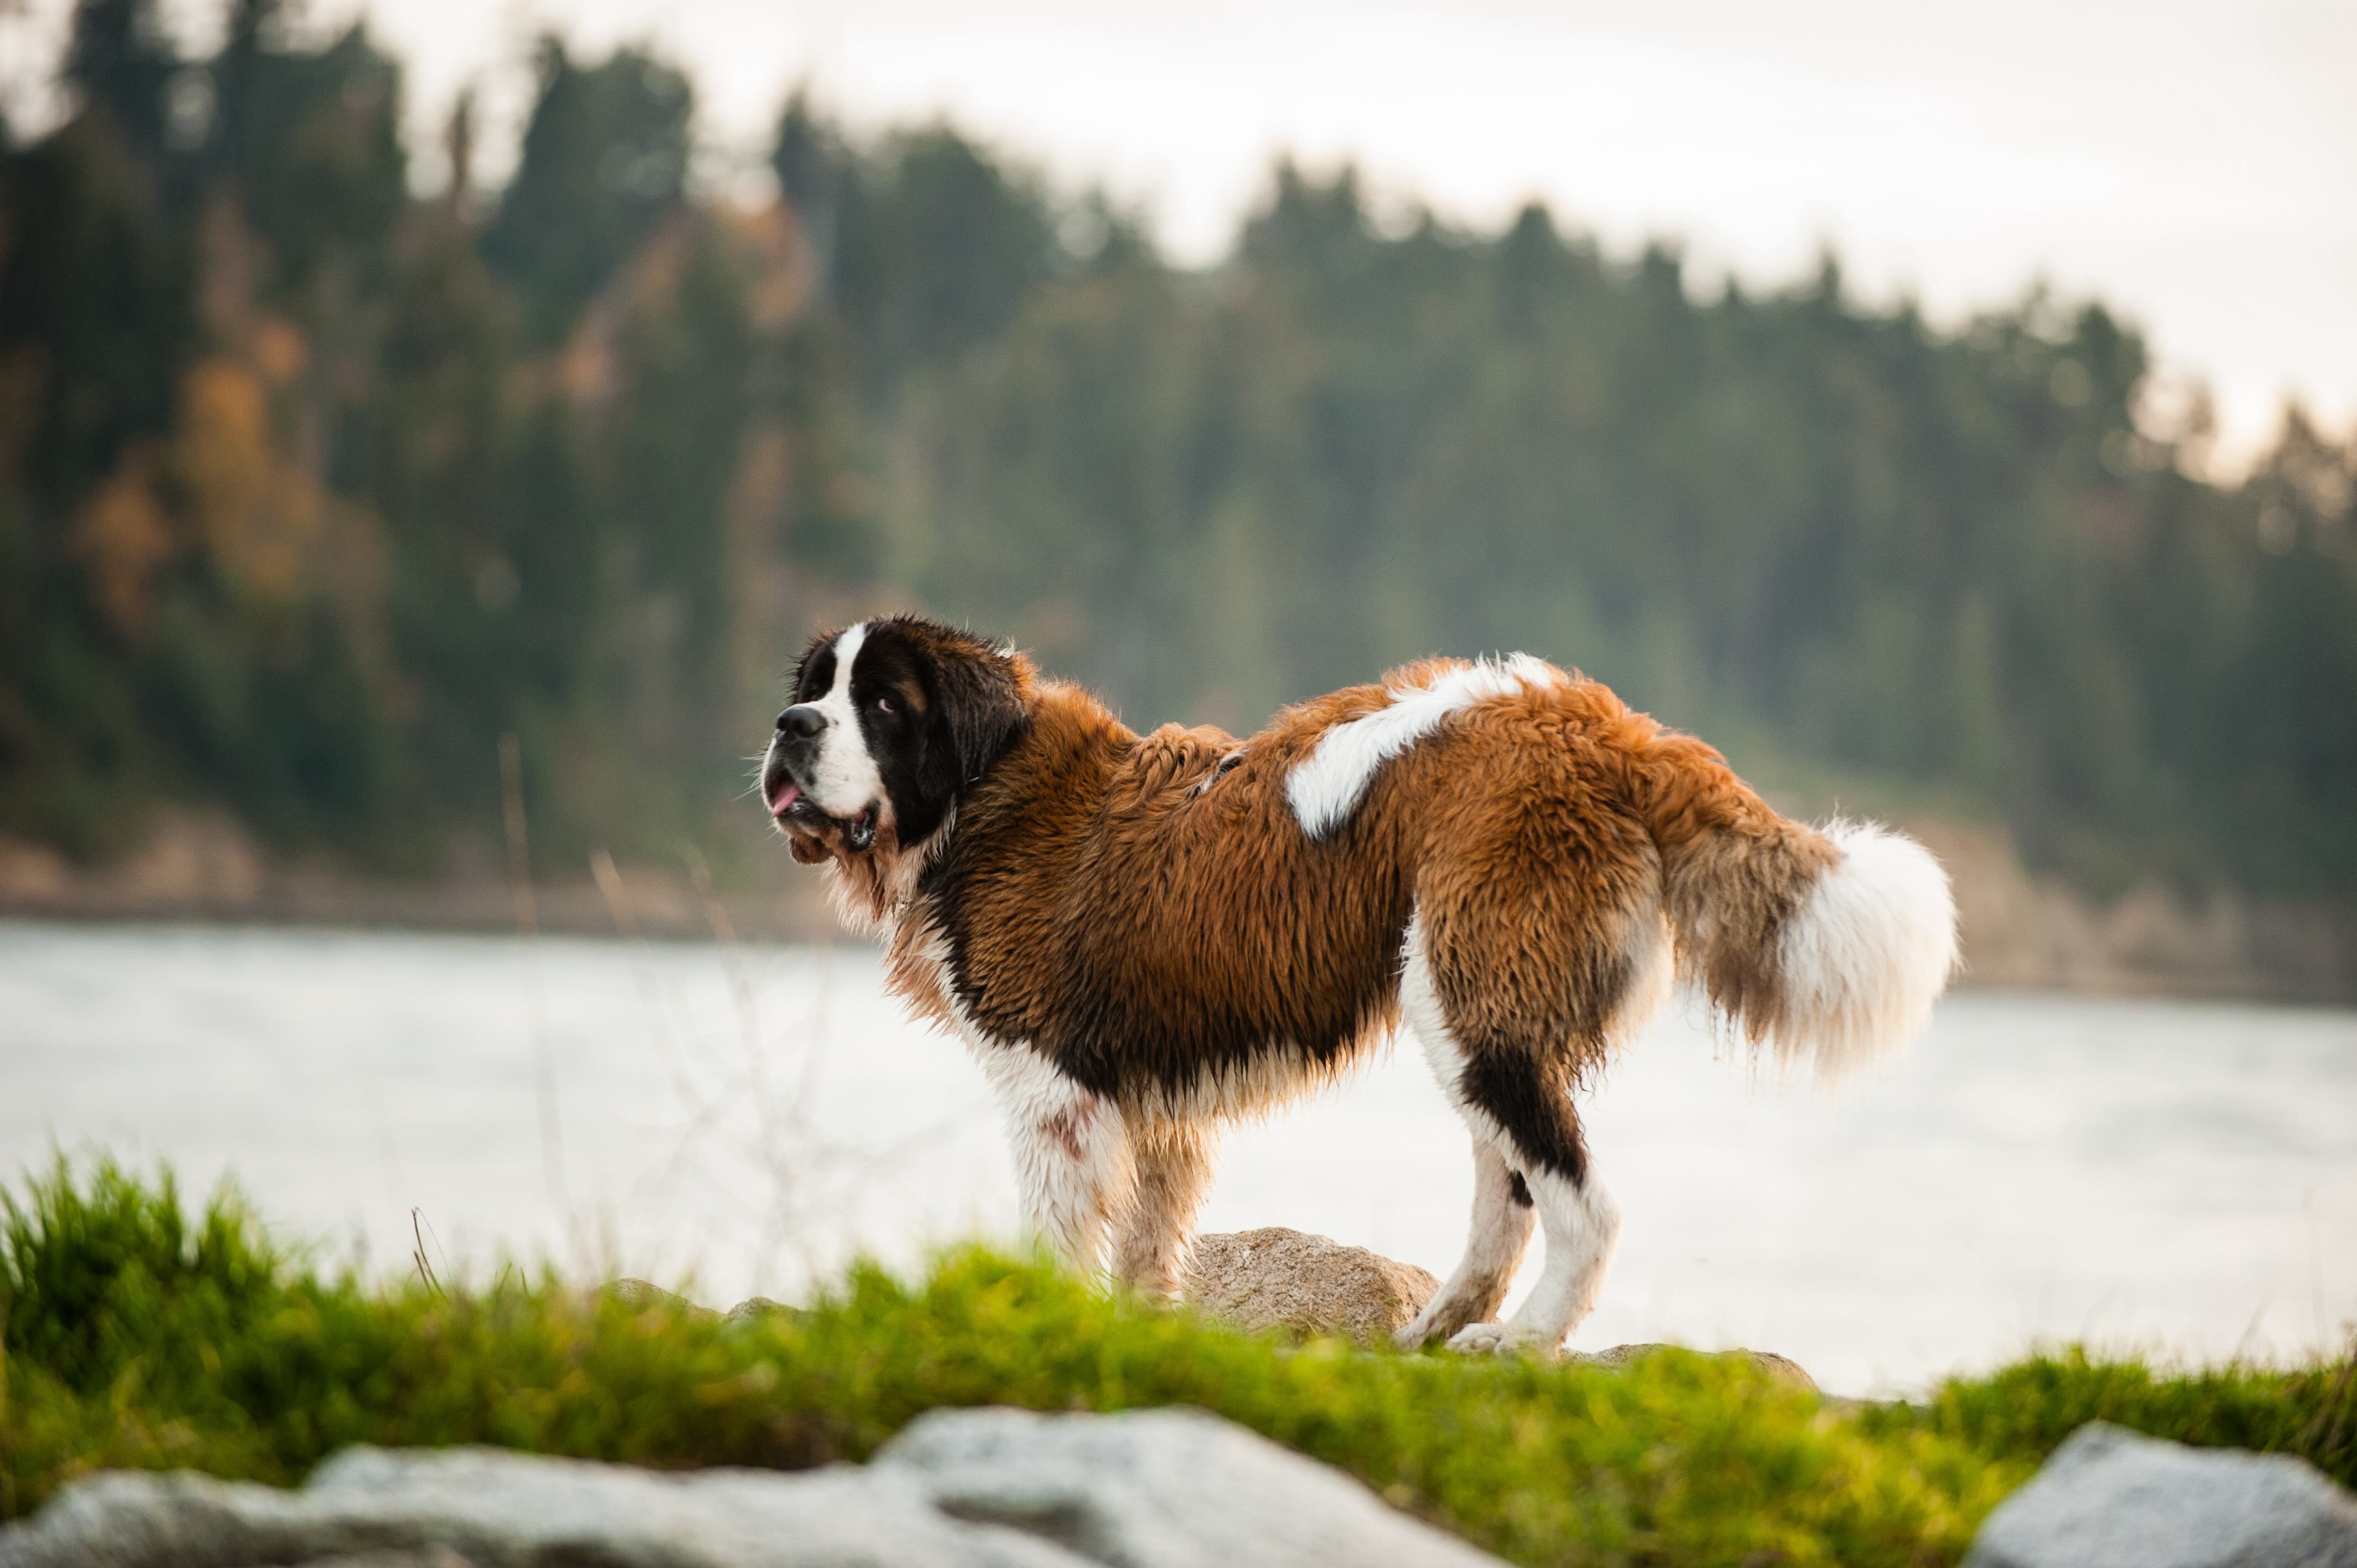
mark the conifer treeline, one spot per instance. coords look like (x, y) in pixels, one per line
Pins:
(310, 488)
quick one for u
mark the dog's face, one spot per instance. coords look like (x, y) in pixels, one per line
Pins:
(891, 721)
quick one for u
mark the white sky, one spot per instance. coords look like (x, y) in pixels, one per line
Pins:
(2192, 162)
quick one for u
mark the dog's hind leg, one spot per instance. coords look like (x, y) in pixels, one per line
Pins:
(1073, 1163)
(1501, 1234)
(1506, 1039)
(1582, 1223)
(1524, 1128)
(1173, 1161)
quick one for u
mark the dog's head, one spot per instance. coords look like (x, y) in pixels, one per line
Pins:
(891, 721)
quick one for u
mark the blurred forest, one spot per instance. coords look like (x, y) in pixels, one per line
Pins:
(313, 488)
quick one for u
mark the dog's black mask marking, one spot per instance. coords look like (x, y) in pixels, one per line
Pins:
(936, 708)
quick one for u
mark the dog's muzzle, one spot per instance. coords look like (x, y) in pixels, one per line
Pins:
(785, 775)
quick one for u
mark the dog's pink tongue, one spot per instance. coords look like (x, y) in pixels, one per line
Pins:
(787, 796)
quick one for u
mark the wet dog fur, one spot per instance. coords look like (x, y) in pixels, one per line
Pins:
(1139, 937)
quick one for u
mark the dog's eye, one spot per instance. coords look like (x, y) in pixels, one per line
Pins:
(883, 704)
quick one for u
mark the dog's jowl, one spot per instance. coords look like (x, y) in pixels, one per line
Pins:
(1139, 936)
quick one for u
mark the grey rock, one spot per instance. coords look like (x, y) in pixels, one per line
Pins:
(752, 1309)
(1161, 1488)
(641, 1296)
(2112, 1499)
(1781, 1369)
(1276, 1278)
(986, 1488)
(494, 1508)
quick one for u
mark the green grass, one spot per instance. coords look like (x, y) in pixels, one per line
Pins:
(137, 1335)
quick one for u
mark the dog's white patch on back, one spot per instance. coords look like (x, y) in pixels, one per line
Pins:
(1325, 786)
(844, 779)
(1867, 951)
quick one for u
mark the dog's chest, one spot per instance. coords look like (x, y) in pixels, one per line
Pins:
(917, 969)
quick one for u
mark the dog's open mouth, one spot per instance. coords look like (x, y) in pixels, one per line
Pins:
(794, 809)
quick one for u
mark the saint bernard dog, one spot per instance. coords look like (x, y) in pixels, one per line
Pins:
(1141, 936)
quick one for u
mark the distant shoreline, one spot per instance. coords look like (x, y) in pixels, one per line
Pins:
(205, 869)
(467, 909)
(2019, 931)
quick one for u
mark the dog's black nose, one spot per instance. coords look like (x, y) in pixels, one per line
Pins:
(803, 719)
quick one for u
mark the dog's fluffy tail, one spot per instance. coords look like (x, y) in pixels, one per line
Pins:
(1827, 946)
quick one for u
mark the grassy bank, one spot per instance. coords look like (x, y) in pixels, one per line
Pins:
(140, 1332)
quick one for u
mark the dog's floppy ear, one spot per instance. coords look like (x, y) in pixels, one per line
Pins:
(978, 713)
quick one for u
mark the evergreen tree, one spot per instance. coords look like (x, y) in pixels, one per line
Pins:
(312, 490)
(605, 158)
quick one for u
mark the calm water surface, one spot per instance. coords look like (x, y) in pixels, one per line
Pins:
(2170, 1177)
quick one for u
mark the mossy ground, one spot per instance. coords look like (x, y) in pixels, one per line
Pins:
(140, 1334)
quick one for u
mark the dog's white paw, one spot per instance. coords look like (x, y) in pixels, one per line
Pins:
(1477, 1338)
(1497, 1339)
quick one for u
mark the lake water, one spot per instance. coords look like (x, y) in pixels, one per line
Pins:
(2172, 1178)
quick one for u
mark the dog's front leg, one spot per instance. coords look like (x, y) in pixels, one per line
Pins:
(1073, 1165)
(1173, 1161)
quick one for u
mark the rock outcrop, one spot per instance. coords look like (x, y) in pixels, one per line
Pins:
(1276, 1278)
(2114, 1498)
(641, 1296)
(1781, 1369)
(1161, 1488)
(969, 1488)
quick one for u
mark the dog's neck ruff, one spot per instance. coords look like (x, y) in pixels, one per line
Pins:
(1325, 786)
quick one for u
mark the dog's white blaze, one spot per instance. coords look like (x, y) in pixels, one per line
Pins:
(1581, 1221)
(844, 780)
(1325, 786)
(1866, 954)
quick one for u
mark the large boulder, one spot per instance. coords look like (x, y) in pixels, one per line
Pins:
(1276, 1278)
(972, 1488)
(2114, 1498)
(493, 1508)
(1163, 1488)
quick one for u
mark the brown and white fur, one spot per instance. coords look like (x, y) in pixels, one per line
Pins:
(1140, 936)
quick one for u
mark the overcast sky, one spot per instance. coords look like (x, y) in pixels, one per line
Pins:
(2193, 162)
